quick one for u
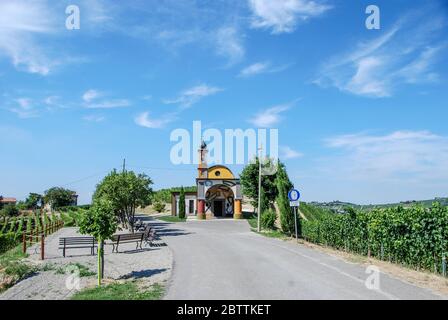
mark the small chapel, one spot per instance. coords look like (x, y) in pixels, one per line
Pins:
(218, 193)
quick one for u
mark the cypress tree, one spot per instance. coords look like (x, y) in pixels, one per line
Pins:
(284, 185)
(182, 203)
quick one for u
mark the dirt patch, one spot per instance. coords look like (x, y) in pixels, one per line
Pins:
(423, 279)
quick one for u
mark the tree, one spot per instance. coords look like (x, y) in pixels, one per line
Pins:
(100, 222)
(59, 197)
(126, 191)
(33, 201)
(249, 184)
(182, 203)
(284, 185)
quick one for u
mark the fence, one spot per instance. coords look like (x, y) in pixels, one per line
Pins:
(38, 235)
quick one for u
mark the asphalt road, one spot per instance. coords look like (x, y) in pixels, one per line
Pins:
(223, 259)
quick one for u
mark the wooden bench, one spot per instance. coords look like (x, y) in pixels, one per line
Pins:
(127, 238)
(150, 235)
(77, 243)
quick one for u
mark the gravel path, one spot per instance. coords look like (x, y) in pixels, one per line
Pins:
(150, 265)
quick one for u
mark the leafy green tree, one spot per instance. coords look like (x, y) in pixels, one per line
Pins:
(284, 185)
(100, 222)
(59, 197)
(182, 203)
(126, 191)
(249, 184)
(34, 201)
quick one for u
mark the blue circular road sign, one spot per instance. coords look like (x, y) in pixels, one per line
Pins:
(293, 195)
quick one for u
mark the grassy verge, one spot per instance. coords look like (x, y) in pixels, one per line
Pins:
(253, 223)
(171, 219)
(12, 269)
(121, 291)
(71, 267)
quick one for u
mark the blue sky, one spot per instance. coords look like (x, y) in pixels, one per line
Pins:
(361, 113)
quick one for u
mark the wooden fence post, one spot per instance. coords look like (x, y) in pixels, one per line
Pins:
(42, 246)
(24, 241)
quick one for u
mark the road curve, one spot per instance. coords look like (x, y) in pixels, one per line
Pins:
(223, 259)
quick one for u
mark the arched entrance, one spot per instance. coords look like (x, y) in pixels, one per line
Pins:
(219, 202)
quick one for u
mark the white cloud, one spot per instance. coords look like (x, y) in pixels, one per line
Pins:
(284, 16)
(254, 69)
(403, 156)
(109, 104)
(91, 101)
(24, 108)
(269, 117)
(22, 24)
(193, 95)
(91, 95)
(230, 44)
(377, 67)
(260, 68)
(288, 153)
(144, 120)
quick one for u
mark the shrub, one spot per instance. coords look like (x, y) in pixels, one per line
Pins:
(159, 206)
(8, 241)
(10, 210)
(268, 219)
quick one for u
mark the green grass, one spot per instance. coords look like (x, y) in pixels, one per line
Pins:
(121, 291)
(12, 266)
(171, 219)
(253, 223)
(83, 270)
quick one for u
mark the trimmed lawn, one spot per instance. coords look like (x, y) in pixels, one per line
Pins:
(121, 291)
(171, 219)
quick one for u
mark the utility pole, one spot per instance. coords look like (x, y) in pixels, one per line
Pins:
(124, 165)
(259, 189)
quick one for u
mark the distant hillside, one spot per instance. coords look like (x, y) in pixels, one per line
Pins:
(312, 212)
(338, 206)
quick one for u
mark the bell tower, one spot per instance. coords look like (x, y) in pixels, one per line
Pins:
(202, 167)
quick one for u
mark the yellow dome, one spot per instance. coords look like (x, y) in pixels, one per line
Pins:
(220, 172)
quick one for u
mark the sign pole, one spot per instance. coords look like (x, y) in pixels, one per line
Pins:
(295, 220)
(294, 196)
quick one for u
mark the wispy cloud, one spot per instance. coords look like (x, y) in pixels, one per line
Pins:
(260, 68)
(271, 116)
(229, 44)
(402, 156)
(284, 16)
(288, 153)
(191, 96)
(24, 25)
(91, 95)
(92, 100)
(375, 68)
(144, 120)
(24, 108)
